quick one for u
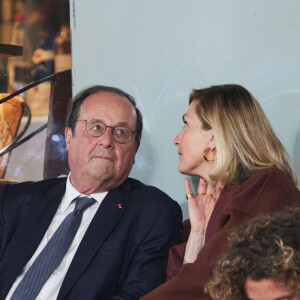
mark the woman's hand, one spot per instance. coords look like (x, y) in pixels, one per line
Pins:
(201, 205)
(200, 210)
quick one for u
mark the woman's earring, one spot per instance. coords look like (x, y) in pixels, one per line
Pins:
(210, 161)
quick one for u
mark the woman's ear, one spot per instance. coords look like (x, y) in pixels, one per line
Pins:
(212, 143)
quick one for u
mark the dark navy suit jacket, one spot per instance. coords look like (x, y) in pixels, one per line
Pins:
(123, 254)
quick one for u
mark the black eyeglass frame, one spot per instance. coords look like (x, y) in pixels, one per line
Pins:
(106, 126)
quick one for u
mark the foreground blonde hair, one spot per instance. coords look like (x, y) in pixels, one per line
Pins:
(244, 137)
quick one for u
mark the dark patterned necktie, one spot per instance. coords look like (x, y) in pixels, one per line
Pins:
(52, 254)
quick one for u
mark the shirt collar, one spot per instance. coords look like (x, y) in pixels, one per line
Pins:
(71, 193)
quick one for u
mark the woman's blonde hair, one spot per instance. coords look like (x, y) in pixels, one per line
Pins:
(244, 137)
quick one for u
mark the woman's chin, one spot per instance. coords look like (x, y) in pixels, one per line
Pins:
(193, 173)
(181, 170)
(186, 172)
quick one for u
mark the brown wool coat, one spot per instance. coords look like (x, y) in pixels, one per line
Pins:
(266, 191)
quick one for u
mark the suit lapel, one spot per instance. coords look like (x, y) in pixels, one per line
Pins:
(105, 219)
(37, 214)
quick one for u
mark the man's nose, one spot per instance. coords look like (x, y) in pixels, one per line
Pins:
(106, 139)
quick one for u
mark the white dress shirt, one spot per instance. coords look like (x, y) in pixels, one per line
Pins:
(52, 286)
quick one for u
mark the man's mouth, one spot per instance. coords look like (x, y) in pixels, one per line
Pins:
(103, 157)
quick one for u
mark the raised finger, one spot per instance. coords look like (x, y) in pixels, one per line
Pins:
(218, 192)
(202, 186)
(188, 188)
(210, 189)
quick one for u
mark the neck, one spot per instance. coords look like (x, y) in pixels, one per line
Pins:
(88, 187)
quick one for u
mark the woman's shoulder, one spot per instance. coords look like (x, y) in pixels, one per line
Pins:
(265, 177)
(274, 179)
(273, 173)
(266, 188)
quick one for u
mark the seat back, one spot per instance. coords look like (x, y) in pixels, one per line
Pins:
(55, 160)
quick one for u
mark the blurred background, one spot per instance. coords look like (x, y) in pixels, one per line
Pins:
(42, 28)
(159, 50)
(38, 26)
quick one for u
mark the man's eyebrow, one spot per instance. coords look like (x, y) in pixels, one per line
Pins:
(285, 297)
(127, 125)
(120, 124)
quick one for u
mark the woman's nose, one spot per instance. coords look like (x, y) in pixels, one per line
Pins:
(176, 140)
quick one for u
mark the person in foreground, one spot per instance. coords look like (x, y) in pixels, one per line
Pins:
(245, 171)
(97, 234)
(262, 262)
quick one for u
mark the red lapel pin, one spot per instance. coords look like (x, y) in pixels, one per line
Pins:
(120, 205)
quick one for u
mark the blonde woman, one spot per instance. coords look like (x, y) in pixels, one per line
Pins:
(263, 260)
(245, 171)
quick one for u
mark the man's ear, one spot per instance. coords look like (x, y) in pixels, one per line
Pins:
(68, 136)
(137, 145)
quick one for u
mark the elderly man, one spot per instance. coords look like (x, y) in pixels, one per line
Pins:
(97, 234)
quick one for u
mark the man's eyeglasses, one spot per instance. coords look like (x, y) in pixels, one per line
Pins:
(96, 128)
